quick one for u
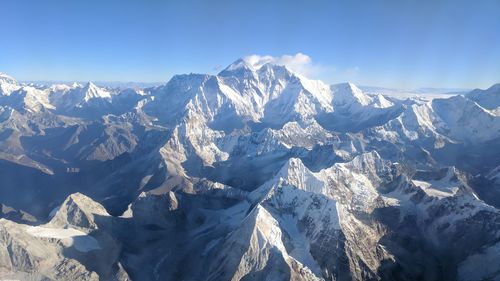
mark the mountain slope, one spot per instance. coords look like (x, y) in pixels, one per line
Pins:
(256, 173)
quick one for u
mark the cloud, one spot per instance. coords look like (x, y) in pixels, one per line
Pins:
(303, 64)
(299, 63)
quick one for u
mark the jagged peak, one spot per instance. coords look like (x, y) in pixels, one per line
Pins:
(245, 68)
(90, 86)
(240, 63)
(186, 81)
(7, 79)
(366, 162)
(258, 219)
(93, 91)
(167, 200)
(348, 93)
(271, 71)
(293, 163)
(78, 210)
(61, 87)
(257, 211)
(262, 225)
(273, 67)
(382, 102)
(347, 85)
(153, 209)
(239, 69)
(295, 173)
(85, 202)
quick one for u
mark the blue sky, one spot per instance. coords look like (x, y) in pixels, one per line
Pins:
(400, 43)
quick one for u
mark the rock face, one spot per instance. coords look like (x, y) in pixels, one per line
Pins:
(79, 211)
(256, 250)
(256, 173)
(151, 209)
(68, 247)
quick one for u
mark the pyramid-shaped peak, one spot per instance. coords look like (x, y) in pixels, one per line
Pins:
(241, 68)
(92, 91)
(90, 84)
(294, 163)
(295, 173)
(240, 63)
(79, 211)
(348, 86)
(348, 93)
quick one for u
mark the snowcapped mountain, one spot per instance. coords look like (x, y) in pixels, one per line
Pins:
(87, 100)
(256, 173)
(4, 78)
(7, 84)
(22, 97)
(487, 98)
(271, 94)
(77, 95)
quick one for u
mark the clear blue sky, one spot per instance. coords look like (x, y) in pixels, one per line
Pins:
(386, 43)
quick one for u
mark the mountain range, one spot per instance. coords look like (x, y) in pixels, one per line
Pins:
(256, 173)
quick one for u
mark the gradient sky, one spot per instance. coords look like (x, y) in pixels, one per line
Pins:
(401, 43)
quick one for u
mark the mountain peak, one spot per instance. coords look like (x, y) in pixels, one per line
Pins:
(488, 98)
(348, 93)
(274, 68)
(238, 64)
(4, 78)
(239, 68)
(495, 88)
(295, 173)
(92, 91)
(90, 84)
(78, 210)
(246, 67)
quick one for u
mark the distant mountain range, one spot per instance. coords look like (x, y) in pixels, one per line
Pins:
(426, 93)
(104, 84)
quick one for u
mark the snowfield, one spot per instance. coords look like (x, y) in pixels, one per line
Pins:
(70, 237)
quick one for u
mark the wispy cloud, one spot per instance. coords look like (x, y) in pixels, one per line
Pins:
(303, 64)
(299, 63)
